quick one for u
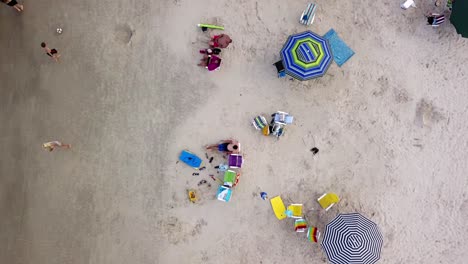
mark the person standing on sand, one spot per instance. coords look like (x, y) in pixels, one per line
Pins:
(14, 4)
(53, 53)
(50, 146)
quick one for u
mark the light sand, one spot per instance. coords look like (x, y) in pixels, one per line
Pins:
(390, 125)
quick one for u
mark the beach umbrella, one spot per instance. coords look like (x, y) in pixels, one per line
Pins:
(459, 17)
(352, 239)
(306, 56)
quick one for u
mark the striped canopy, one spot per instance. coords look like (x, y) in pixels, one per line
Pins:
(352, 239)
(306, 56)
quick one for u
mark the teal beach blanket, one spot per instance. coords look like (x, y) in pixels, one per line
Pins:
(341, 51)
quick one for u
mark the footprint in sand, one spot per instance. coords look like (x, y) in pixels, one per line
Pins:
(124, 33)
(426, 114)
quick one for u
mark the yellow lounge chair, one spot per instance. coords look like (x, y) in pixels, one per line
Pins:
(295, 210)
(278, 207)
(327, 200)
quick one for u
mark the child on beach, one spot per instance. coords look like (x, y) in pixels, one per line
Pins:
(53, 53)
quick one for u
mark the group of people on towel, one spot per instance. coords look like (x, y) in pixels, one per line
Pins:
(211, 59)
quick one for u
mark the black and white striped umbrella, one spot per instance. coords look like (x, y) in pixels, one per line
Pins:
(352, 239)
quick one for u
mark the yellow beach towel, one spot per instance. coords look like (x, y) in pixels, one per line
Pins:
(278, 207)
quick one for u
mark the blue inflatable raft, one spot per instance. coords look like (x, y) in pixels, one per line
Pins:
(190, 159)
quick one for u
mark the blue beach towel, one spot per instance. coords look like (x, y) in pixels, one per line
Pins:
(341, 51)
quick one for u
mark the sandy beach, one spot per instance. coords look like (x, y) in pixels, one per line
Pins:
(391, 125)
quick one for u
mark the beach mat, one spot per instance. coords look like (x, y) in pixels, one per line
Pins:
(278, 207)
(341, 51)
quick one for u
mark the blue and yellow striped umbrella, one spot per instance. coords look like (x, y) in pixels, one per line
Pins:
(306, 56)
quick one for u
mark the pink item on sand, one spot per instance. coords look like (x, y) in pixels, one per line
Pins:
(213, 63)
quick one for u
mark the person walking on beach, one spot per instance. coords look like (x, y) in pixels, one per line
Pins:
(53, 53)
(50, 146)
(14, 4)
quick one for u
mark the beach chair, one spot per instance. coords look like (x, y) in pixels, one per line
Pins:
(278, 207)
(235, 161)
(437, 19)
(300, 225)
(313, 234)
(259, 122)
(327, 200)
(282, 118)
(280, 68)
(308, 16)
(294, 211)
(238, 174)
(277, 130)
(278, 123)
(224, 193)
(229, 178)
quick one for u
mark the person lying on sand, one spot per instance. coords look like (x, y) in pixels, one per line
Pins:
(220, 41)
(50, 146)
(229, 146)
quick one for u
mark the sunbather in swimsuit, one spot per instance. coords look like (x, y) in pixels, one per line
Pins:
(223, 147)
(221, 41)
(228, 146)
